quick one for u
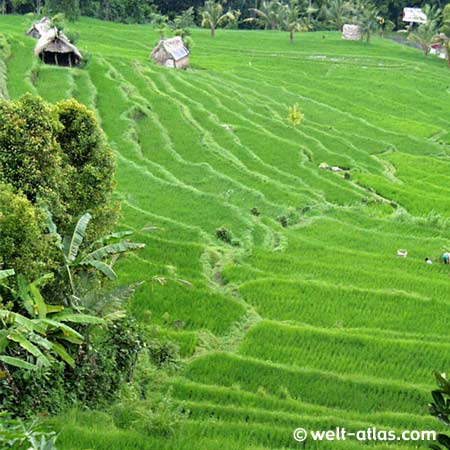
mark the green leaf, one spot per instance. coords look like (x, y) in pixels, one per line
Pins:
(51, 309)
(39, 302)
(29, 347)
(71, 245)
(15, 318)
(78, 318)
(6, 273)
(102, 267)
(52, 227)
(62, 353)
(116, 315)
(113, 249)
(24, 295)
(17, 362)
(66, 330)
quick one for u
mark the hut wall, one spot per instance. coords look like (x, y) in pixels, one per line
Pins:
(161, 57)
(182, 63)
(351, 32)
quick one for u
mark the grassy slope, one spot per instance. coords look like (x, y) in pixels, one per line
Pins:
(316, 325)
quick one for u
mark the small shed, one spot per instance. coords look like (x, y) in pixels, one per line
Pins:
(39, 28)
(171, 53)
(414, 15)
(55, 48)
(351, 32)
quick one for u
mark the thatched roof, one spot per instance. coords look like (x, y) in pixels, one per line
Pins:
(174, 47)
(56, 42)
(39, 28)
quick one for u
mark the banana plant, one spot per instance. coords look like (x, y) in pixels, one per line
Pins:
(39, 333)
(100, 255)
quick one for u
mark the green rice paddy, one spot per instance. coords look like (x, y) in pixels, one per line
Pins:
(318, 324)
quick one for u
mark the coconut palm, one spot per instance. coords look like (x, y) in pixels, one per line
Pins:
(424, 35)
(292, 21)
(368, 17)
(269, 15)
(444, 36)
(213, 15)
(444, 40)
(337, 12)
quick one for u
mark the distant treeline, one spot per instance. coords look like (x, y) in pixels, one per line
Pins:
(160, 11)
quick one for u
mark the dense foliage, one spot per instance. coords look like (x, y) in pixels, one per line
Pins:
(64, 337)
(57, 155)
(140, 11)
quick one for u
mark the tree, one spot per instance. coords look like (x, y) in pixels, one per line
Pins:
(98, 257)
(213, 15)
(336, 13)
(369, 19)
(57, 155)
(269, 15)
(90, 166)
(31, 160)
(22, 226)
(424, 35)
(444, 37)
(291, 21)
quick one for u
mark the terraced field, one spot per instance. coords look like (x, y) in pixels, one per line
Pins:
(317, 324)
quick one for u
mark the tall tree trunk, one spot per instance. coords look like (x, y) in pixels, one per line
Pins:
(38, 7)
(213, 30)
(291, 36)
(4, 7)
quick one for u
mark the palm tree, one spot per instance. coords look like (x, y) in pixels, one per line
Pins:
(292, 21)
(368, 19)
(424, 35)
(444, 37)
(269, 15)
(213, 15)
(337, 12)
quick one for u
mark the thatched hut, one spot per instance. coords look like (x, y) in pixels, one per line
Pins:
(351, 32)
(171, 53)
(55, 48)
(39, 28)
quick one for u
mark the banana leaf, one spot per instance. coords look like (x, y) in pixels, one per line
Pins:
(102, 267)
(71, 245)
(17, 362)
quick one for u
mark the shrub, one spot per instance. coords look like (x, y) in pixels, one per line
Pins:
(105, 362)
(21, 228)
(57, 155)
(164, 354)
(30, 157)
(91, 165)
(224, 234)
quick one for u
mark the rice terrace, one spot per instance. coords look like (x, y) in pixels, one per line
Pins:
(288, 195)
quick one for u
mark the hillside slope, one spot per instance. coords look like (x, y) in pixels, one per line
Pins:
(309, 319)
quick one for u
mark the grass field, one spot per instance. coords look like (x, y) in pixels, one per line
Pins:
(318, 324)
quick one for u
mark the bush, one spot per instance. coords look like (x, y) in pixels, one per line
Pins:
(164, 354)
(105, 362)
(224, 234)
(30, 157)
(57, 155)
(22, 226)
(91, 166)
